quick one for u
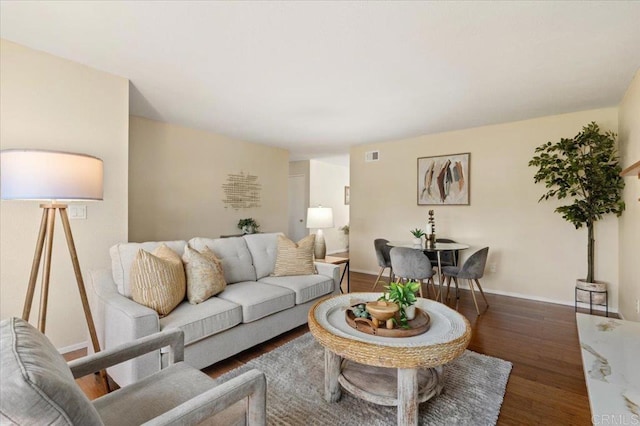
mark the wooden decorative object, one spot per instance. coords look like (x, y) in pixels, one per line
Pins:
(420, 324)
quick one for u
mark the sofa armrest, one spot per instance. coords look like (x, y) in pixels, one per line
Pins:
(120, 320)
(332, 271)
(251, 385)
(126, 351)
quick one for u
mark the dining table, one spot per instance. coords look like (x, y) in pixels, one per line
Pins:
(437, 248)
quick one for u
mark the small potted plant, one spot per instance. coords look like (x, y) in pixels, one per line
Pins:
(404, 295)
(248, 226)
(417, 234)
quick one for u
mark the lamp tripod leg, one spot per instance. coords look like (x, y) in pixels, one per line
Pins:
(35, 266)
(46, 272)
(82, 290)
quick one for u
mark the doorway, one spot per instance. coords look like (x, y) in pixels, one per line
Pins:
(297, 207)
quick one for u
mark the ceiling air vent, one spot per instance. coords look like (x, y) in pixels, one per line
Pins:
(371, 156)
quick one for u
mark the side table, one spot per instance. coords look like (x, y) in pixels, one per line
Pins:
(334, 260)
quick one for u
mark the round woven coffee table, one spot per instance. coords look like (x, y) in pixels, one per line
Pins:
(412, 366)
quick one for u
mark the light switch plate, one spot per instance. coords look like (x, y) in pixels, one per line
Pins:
(77, 211)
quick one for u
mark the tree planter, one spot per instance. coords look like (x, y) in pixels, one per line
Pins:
(584, 288)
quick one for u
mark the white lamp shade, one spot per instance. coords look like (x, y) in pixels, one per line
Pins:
(49, 175)
(319, 217)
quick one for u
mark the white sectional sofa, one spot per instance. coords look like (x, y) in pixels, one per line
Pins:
(253, 308)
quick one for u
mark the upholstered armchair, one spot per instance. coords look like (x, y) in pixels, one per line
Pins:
(38, 387)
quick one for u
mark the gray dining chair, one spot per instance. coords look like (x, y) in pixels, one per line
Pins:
(384, 259)
(412, 264)
(447, 258)
(472, 270)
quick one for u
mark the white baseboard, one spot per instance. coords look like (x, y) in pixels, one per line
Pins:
(74, 347)
(464, 285)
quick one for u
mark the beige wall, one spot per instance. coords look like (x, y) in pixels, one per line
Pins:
(535, 253)
(326, 188)
(176, 176)
(51, 103)
(629, 140)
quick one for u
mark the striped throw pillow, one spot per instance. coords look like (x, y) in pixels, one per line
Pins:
(157, 280)
(295, 259)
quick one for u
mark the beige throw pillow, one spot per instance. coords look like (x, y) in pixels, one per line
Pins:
(157, 280)
(295, 259)
(205, 277)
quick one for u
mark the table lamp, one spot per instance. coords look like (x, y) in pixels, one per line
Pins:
(319, 218)
(51, 176)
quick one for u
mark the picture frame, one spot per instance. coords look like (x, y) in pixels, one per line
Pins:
(347, 195)
(443, 180)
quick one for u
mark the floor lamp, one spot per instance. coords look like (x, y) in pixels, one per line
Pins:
(318, 218)
(52, 176)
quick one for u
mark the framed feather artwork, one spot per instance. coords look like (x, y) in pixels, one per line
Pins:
(443, 180)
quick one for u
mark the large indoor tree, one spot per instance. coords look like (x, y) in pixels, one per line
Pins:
(585, 169)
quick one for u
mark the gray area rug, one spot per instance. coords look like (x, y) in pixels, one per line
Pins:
(473, 390)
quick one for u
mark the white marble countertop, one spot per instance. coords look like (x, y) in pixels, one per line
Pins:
(611, 361)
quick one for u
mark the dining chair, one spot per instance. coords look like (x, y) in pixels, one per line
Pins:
(447, 258)
(472, 270)
(384, 260)
(412, 264)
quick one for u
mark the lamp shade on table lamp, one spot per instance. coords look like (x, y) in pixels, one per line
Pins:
(318, 218)
(49, 175)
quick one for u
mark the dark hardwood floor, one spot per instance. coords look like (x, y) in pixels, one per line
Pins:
(546, 386)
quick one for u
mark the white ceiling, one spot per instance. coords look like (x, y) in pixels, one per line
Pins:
(318, 77)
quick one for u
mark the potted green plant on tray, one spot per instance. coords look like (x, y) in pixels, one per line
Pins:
(404, 295)
(586, 169)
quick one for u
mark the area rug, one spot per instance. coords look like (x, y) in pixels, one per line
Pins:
(474, 387)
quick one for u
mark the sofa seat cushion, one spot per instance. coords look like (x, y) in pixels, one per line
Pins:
(204, 319)
(258, 300)
(306, 287)
(237, 263)
(36, 385)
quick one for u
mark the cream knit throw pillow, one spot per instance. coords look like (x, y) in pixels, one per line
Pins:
(205, 277)
(295, 259)
(157, 280)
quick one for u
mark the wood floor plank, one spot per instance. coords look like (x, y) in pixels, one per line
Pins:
(546, 385)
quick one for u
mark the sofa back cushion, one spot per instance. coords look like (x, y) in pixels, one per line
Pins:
(122, 256)
(37, 385)
(237, 263)
(263, 249)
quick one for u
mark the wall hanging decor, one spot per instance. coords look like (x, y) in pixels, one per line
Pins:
(443, 180)
(241, 191)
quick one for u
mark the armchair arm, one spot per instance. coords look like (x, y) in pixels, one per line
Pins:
(126, 351)
(251, 384)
